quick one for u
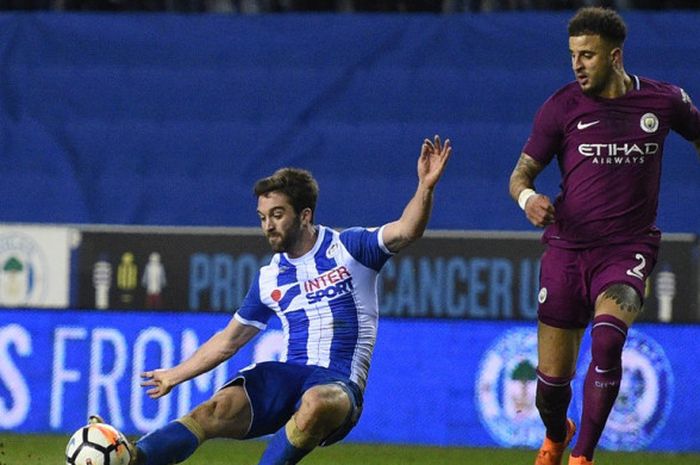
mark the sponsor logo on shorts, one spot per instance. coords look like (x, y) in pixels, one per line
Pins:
(542, 296)
(505, 389)
(646, 395)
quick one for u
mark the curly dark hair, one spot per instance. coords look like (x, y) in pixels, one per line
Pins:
(604, 22)
(296, 183)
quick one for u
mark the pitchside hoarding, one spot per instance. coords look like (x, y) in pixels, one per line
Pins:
(453, 275)
(35, 265)
(178, 269)
(471, 381)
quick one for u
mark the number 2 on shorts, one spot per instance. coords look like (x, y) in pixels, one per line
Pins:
(637, 270)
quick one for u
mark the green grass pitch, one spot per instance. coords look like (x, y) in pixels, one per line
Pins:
(48, 450)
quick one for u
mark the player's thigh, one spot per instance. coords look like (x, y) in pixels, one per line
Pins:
(563, 300)
(227, 414)
(621, 301)
(618, 286)
(557, 349)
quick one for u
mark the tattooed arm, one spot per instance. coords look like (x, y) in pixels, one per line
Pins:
(538, 208)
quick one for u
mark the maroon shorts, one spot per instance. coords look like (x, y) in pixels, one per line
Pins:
(572, 279)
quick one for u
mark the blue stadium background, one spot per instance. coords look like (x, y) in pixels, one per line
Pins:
(168, 119)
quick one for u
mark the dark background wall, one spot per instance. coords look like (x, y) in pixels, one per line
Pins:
(169, 119)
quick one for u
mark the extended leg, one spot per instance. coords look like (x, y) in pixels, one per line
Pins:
(226, 414)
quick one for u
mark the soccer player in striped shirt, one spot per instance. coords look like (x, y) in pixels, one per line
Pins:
(321, 284)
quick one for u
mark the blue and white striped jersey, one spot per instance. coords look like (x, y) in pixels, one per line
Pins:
(326, 300)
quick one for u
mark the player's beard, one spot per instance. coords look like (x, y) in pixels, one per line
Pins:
(599, 82)
(286, 239)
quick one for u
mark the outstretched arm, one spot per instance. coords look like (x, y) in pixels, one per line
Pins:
(414, 219)
(538, 208)
(219, 348)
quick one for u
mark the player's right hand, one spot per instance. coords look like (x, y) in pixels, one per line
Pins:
(539, 210)
(160, 382)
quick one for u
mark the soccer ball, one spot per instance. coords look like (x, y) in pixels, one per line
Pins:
(97, 444)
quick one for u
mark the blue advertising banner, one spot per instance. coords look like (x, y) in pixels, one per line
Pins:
(472, 382)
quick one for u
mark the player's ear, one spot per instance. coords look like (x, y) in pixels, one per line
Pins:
(616, 57)
(307, 217)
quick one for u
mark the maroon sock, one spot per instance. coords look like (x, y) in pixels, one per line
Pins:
(602, 382)
(552, 400)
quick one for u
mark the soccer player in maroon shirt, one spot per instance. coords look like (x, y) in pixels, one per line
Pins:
(607, 130)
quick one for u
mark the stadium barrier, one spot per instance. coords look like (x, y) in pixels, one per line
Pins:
(471, 382)
(478, 374)
(448, 274)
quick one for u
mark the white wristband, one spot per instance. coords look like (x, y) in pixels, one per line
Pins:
(524, 196)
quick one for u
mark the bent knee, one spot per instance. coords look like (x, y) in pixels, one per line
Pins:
(323, 405)
(326, 400)
(208, 415)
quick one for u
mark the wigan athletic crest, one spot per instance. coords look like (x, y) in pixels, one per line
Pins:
(22, 270)
(505, 389)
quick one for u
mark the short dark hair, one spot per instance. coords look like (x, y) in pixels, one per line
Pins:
(296, 183)
(595, 20)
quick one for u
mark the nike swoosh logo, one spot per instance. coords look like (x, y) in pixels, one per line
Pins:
(599, 370)
(581, 125)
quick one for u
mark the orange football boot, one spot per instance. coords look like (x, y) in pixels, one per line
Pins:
(579, 460)
(552, 452)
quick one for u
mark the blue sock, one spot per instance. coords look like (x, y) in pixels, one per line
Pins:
(280, 451)
(172, 443)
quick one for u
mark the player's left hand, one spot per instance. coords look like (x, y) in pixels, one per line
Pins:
(432, 161)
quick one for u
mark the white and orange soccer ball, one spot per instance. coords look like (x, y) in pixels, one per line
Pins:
(97, 444)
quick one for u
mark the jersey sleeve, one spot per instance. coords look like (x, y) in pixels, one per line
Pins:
(686, 117)
(546, 136)
(252, 311)
(366, 246)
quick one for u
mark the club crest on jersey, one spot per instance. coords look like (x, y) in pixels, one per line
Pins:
(332, 250)
(329, 285)
(646, 395)
(649, 123)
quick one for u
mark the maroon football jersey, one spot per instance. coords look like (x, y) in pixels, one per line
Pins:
(609, 153)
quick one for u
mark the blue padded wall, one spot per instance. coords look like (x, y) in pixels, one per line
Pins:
(168, 119)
